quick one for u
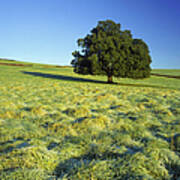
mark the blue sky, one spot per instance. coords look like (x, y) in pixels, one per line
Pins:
(46, 31)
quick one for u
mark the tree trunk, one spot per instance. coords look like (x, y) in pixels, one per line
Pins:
(110, 79)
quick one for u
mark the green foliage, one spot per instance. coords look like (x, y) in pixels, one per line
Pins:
(112, 52)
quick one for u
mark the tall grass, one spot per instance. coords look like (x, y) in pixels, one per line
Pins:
(67, 126)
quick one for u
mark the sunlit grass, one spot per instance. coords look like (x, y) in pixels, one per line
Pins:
(63, 127)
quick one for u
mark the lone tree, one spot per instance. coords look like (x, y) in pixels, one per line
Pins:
(109, 51)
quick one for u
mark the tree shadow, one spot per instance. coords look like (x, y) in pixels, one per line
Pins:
(63, 77)
(78, 79)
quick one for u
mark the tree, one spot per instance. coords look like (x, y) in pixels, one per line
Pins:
(109, 51)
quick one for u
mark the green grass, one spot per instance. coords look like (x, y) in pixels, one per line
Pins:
(55, 124)
(174, 72)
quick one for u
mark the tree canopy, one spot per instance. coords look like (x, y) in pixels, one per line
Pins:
(109, 51)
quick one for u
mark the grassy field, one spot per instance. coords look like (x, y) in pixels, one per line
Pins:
(55, 124)
(173, 72)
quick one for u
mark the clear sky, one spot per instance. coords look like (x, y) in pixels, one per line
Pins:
(46, 31)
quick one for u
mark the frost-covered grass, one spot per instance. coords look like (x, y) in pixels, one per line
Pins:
(55, 124)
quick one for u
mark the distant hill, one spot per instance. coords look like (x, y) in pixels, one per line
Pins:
(11, 62)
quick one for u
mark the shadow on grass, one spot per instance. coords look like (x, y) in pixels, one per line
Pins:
(63, 77)
(78, 79)
(167, 76)
(9, 146)
(72, 165)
